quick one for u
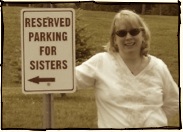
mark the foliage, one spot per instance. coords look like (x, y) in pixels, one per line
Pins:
(114, 7)
(150, 9)
(165, 9)
(65, 5)
(83, 50)
(44, 5)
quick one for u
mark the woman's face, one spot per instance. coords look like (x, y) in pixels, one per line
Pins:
(130, 42)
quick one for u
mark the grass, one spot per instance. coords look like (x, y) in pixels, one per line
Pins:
(25, 111)
(76, 110)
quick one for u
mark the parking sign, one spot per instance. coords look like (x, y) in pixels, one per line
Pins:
(48, 50)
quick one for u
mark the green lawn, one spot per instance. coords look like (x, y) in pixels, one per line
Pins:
(77, 110)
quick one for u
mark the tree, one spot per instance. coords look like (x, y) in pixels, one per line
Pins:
(160, 10)
(83, 50)
(143, 8)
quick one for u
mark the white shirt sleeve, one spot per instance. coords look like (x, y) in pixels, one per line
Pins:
(86, 72)
(170, 94)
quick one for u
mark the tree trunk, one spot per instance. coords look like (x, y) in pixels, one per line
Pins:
(51, 5)
(160, 10)
(143, 9)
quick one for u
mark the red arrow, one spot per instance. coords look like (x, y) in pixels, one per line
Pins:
(38, 80)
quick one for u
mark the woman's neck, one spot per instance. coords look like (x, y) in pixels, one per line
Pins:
(135, 63)
(131, 58)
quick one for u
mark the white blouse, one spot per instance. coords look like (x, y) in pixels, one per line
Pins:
(127, 101)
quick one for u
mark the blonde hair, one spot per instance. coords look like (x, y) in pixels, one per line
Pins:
(129, 18)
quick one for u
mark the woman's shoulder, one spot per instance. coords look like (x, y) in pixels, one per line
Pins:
(97, 58)
(102, 55)
(100, 58)
(158, 62)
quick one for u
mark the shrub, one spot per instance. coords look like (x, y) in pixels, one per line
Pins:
(83, 50)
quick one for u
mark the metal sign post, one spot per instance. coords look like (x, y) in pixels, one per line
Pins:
(48, 111)
(48, 50)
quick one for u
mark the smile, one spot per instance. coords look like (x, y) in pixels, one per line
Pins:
(129, 44)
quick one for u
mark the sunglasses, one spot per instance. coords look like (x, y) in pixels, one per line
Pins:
(133, 32)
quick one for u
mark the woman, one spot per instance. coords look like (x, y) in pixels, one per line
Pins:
(133, 89)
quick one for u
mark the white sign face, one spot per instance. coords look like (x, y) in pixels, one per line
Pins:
(48, 50)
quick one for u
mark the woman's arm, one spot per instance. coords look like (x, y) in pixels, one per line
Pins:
(170, 94)
(86, 72)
